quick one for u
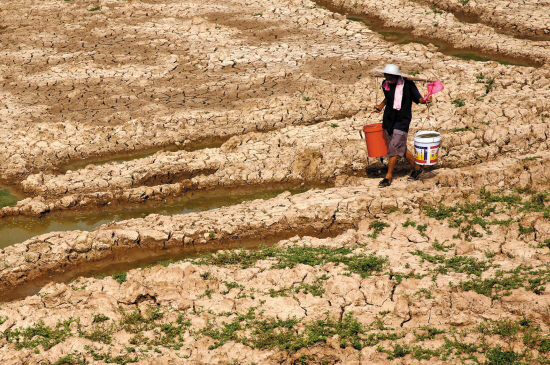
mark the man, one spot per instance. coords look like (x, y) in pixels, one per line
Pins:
(399, 94)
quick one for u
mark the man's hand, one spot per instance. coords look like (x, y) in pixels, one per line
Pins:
(378, 108)
(428, 100)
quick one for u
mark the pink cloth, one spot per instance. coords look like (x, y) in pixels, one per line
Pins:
(398, 92)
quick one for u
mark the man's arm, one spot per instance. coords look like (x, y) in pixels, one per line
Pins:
(417, 96)
(378, 108)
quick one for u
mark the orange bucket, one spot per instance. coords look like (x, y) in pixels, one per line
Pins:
(376, 144)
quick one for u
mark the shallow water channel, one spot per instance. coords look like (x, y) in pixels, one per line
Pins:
(134, 155)
(17, 230)
(130, 260)
(403, 36)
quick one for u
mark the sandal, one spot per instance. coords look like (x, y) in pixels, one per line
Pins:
(414, 174)
(384, 183)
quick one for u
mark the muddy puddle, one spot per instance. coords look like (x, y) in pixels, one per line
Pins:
(136, 258)
(403, 36)
(9, 197)
(134, 155)
(17, 230)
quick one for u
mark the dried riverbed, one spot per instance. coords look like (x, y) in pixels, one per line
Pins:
(205, 114)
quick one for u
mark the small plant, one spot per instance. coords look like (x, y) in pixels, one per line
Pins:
(489, 82)
(333, 125)
(425, 293)
(98, 318)
(422, 229)
(440, 247)
(435, 24)
(463, 2)
(306, 98)
(414, 73)
(355, 5)
(409, 223)
(454, 130)
(459, 102)
(207, 293)
(257, 14)
(378, 227)
(527, 230)
(497, 357)
(207, 276)
(211, 235)
(120, 277)
(430, 333)
(95, 9)
(399, 351)
(72, 359)
(540, 245)
(231, 285)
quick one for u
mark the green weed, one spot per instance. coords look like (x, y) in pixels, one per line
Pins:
(362, 264)
(207, 276)
(98, 318)
(39, 335)
(71, 359)
(120, 277)
(378, 227)
(459, 102)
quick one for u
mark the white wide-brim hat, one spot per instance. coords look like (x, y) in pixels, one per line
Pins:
(391, 69)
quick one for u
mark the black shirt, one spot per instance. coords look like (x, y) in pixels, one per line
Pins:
(399, 119)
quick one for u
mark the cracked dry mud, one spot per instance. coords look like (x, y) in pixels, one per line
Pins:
(452, 268)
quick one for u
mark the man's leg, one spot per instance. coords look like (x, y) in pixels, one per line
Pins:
(391, 165)
(410, 157)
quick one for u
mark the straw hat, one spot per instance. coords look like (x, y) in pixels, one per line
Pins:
(391, 69)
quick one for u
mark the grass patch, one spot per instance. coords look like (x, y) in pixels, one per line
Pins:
(280, 334)
(39, 335)
(471, 218)
(500, 285)
(72, 359)
(316, 288)
(360, 263)
(459, 264)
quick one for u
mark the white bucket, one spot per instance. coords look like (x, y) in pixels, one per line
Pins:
(426, 147)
